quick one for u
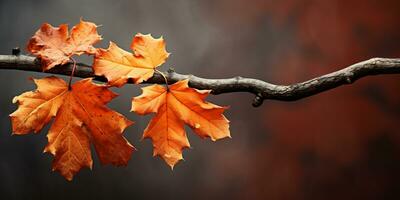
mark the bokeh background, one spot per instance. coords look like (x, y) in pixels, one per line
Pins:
(341, 144)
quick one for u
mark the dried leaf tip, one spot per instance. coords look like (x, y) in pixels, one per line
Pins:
(54, 45)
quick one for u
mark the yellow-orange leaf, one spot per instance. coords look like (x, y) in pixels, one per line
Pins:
(54, 47)
(118, 65)
(175, 107)
(81, 117)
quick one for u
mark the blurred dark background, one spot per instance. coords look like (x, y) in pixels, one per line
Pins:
(342, 144)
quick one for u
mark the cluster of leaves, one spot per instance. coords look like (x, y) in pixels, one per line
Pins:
(80, 112)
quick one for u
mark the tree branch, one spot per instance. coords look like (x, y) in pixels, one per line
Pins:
(261, 89)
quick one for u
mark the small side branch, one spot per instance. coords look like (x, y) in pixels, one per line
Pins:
(263, 90)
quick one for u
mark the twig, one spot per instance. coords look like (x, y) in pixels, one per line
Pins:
(261, 89)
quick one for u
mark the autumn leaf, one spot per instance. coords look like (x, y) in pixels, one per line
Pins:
(81, 117)
(118, 65)
(175, 107)
(54, 46)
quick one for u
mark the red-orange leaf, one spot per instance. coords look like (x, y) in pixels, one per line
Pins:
(118, 65)
(81, 117)
(54, 47)
(175, 107)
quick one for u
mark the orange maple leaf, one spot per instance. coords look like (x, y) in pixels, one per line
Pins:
(175, 106)
(118, 65)
(54, 47)
(81, 117)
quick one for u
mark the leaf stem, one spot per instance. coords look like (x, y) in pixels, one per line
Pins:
(72, 73)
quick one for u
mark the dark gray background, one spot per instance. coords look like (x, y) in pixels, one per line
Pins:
(193, 38)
